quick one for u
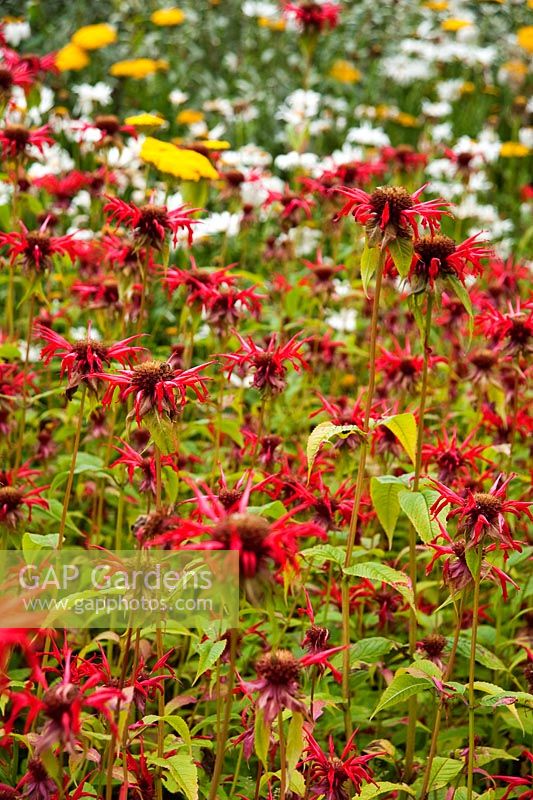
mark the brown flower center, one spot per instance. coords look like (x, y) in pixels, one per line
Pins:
(434, 644)
(39, 241)
(279, 668)
(488, 505)
(17, 134)
(228, 497)
(10, 498)
(98, 348)
(59, 699)
(430, 247)
(484, 360)
(107, 123)
(397, 198)
(148, 374)
(251, 529)
(6, 80)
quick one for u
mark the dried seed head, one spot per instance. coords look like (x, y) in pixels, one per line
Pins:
(433, 644)
(279, 668)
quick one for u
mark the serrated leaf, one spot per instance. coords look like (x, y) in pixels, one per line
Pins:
(402, 687)
(185, 773)
(371, 790)
(163, 432)
(404, 427)
(443, 772)
(483, 656)
(462, 294)
(175, 722)
(369, 264)
(384, 494)
(417, 507)
(325, 552)
(385, 574)
(210, 652)
(370, 650)
(323, 433)
(401, 250)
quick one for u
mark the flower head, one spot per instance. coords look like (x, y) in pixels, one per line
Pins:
(437, 256)
(314, 17)
(150, 223)
(16, 140)
(267, 362)
(390, 212)
(331, 774)
(35, 249)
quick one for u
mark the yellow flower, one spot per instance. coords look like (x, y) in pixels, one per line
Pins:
(168, 16)
(407, 120)
(93, 37)
(524, 38)
(493, 90)
(71, 57)
(455, 24)
(137, 68)
(468, 87)
(436, 5)
(145, 121)
(517, 69)
(345, 72)
(271, 24)
(185, 164)
(215, 144)
(513, 150)
(189, 116)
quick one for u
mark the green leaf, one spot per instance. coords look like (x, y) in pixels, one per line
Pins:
(273, 510)
(401, 250)
(325, 552)
(382, 573)
(403, 426)
(369, 264)
(185, 773)
(210, 652)
(163, 432)
(370, 650)
(384, 493)
(175, 722)
(443, 772)
(462, 293)
(483, 655)
(323, 433)
(371, 790)
(232, 429)
(261, 738)
(295, 742)
(417, 507)
(402, 687)
(32, 542)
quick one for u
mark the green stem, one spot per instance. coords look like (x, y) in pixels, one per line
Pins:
(222, 733)
(70, 479)
(438, 717)
(283, 758)
(22, 425)
(412, 703)
(472, 677)
(363, 451)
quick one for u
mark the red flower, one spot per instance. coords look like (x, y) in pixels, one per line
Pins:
(16, 140)
(157, 387)
(438, 256)
(13, 72)
(329, 773)
(314, 17)
(36, 248)
(133, 460)
(390, 212)
(109, 127)
(268, 363)
(481, 513)
(14, 499)
(151, 223)
(454, 460)
(516, 326)
(514, 782)
(401, 368)
(84, 359)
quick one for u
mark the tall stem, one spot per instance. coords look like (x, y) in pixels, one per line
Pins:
(22, 425)
(358, 495)
(412, 703)
(222, 733)
(472, 677)
(283, 758)
(70, 479)
(438, 717)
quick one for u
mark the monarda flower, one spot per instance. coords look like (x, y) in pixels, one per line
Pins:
(454, 460)
(145, 463)
(150, 223)
(35, 249)
(456, 572)
(438, 256)
(16, 503)
(401, 368)
(314, 17)
(13, 73)
(514, 326)
(482, 513)
(157, 387)
(268, 363)
(16, 140)
(432, 647)
(38, 785)
(390, 212)
(331, 775)
(83, 360)
(278, 684)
